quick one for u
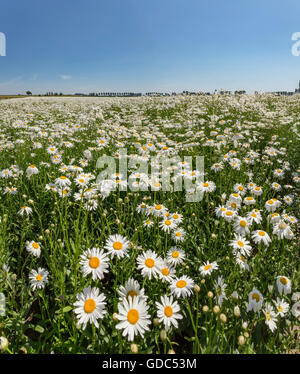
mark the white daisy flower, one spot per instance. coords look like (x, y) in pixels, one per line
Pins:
(131, 289)
(167, 225)
(260, 236)
(167, 311)
(175, 256)
(62, 182)
(166, 272)
(90, 306)
(117, 245)
(271, 318)
(38, 278)
(34, 248)
(255, 301)
(182, 286)
(149, 263)
(178, 235)
(208, 268)
(25, 209)
(284, 285)
(133, 316)
(95, 262)
(282, 307)
(254, 216)
(241, 261)
(220, 287)
(241, 245)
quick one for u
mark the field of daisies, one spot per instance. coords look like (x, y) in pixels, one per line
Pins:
(122, 265)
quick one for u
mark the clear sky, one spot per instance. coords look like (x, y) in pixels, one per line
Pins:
(148, 45)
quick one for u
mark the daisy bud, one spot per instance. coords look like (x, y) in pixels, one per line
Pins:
(24, 196)
(115, 318)
(3, 343)
(241, 340)
(210, 294)
(23, 350)
(235, 295)
(47, 231)
(205, 308)
(171, 352)
(216, 309)
(30, 201)
(104, 214)
(223, 318)
(213, 236)
(14, 277)
(126, 200)
(196, 288)
(40, 237)
(237, 311)
(202, 281)
(118, 221)
(227, 258)
(246, 335)
(134, 348)
(155, 321)
(163, 335)
(52, 225)
(120, 201)
(245, 325)
(270, 288)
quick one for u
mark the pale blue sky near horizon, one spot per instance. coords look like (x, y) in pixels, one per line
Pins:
(87, 46)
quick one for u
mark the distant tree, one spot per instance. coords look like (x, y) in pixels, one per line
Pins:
(28, 93)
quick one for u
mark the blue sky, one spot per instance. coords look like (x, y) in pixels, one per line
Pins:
(148, 45)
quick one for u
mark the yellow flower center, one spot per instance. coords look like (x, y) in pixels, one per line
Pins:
(35, 245)
(62, 177)
(240, 243)
(175, 254)
(283, 280)
(228, 213)
(89, 305)
(165, 271)
(261, 233)
(158, 207)
(94, 262)
(168, 222)
(207, 267)
(168, 311)
(178, 234)
(256, 297)
(270, 202)
(175, 216)
(205, 184)
(149, 263)
(133, 316)
(39, 277)
(181, 284)
(117, 246)
(243, 223)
